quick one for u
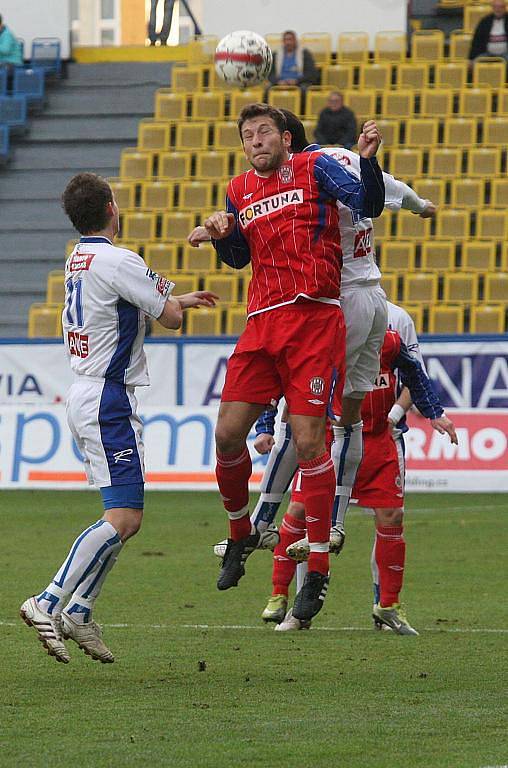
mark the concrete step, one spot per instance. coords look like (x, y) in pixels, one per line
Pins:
(78, 128)
(69, 155)
(118, 73)
(131, 100)
(30, 215)
(16, 242)
(46, 184)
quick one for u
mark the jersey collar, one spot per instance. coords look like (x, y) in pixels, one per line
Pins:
(312, 147)
(95, 240)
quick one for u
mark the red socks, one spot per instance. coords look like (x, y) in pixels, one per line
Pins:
(233, 473)
(390, 556)
(318, 490)
(284, 567)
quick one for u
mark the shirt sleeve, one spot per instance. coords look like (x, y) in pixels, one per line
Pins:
(265, 425)
(137, 284)
(420, 386)
(234, 249)
(365, 198)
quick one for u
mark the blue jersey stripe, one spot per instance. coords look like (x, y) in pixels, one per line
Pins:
(117, 435)
(128, 321)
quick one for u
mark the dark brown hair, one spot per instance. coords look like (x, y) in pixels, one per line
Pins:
(262, 110)
(85, 200)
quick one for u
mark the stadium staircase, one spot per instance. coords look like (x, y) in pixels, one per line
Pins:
(89, 119)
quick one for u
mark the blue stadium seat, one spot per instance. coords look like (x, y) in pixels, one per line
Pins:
(13, 111)
(29, 83)
(4, 143)
(46, 53)
(3, 81)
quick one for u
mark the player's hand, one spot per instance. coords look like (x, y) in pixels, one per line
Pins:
(197, 299)
(264, 443)
(220, 225)
(429, 211)
(445, 426)
(369, 139)
(197, 236)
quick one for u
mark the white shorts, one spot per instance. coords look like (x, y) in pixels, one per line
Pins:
(108, 432)
(366, 317)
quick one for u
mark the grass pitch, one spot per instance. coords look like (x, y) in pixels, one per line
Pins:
(200, 681)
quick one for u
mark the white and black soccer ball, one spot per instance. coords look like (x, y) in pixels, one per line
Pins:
(243, 58)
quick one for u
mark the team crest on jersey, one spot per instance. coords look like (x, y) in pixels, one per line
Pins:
(269, 205)
(286, 174)
(317, 385)
(382, 381)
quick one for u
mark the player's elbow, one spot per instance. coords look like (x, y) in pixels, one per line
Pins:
(172, 316)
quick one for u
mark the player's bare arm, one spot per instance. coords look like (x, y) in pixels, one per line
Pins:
(198, 235)
(369, 139)
(172, 314)
(220, 225)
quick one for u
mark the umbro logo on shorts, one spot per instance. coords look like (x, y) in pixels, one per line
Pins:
(122, 455)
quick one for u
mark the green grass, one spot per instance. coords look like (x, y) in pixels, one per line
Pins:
(344, 697)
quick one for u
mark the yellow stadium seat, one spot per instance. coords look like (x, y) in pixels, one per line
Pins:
(416, 313)
(475, 101)
(195, 195)
(445, 162)
(286, 97)
(398, 256)
(129, 245)
(225, 286)
(221, 194)
(208, 105)
(461, 287)
(158, 331)
(216, 83)
(177, 225)
(467, 192)
(427, 45)
(446, 319)
(185, 283)
(45, 320)
(236, 320)
(411, 227)
(353, 46)
(473, 14)
(69, 247)
(495, 131)
(204, 322)
(450, 74)
(496, 287)
(226, 135)
(382, 226)
(389, 284)
(499, 192)
(338, 77)
(240, 98)
(375, 76)
(174, 165)
(187, 79)
(319, 44)
(438, 255)
(204, 48)
(241, 164)
(436, 103)
(153, 135)
(363, 104)
(55, 288)
(430, 189)
(484, 161)
(489, 318)
(419, 286)
(124, 192)
(422, 132)
(397, 103)
(492, 224)
(156, 195)
(170, 105)
(412, 75)
(489, 73)
(478, 256)
(502, 101)
(315, 101)
(406, 163)
(138, 225)
(202, 259)
(390, 46)
(460, 43)
(460, 132)
(389, 131)
(135, 165)
(162, 257)
(212, 165)
(191, 136)
(452, 223)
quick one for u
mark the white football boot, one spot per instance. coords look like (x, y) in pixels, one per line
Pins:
(88, 637)
(300, 549)
(268, 539)
(291, 623)
(395, 618)
(48, 628)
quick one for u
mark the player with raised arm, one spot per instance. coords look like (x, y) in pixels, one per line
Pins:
(281, 216)
(109, 291)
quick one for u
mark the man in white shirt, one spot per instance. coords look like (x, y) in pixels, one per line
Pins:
(109, 292)
(490, 37)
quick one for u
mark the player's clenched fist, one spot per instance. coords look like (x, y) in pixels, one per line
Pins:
(264, 443)
(369, 139)
(220, 224)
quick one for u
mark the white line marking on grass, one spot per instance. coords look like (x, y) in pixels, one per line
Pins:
(449, 630)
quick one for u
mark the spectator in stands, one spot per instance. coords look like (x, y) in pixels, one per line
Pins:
(490, 37)
(293, 65)
(166, 22)
(336, 124)
(10, 48)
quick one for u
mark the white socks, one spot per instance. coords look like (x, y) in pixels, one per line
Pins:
(279, 472)
(347, 451)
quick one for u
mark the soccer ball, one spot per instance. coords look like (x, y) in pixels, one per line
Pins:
(243, 58)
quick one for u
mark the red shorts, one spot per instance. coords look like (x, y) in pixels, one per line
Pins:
(297, 350)
(380, 478)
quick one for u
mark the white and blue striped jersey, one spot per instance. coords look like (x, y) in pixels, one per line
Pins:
(401, 321)
(109, 291)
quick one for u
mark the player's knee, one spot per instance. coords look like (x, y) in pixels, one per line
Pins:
(297, 510)
(126, 522)
(227, 440)
(309, 446)
(390, 517)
